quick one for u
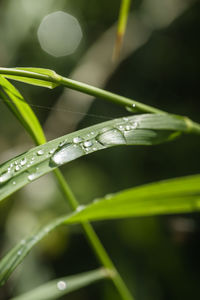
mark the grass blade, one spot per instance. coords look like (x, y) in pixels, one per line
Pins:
(145, 129)
(38, 82)
(16, 103)
(121, 28)
(16, 255)
(179, 195)
(62, 286)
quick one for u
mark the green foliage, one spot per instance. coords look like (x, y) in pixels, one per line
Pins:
(177, 195)
(153, 126)
(62, 286)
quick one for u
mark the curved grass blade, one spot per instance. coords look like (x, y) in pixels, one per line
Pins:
(16, 103)
(15, 256)
(179, 195)
(62, 286)
(145, 129)
(38, 82)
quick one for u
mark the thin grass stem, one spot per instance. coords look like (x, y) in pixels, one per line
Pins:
(94, 241)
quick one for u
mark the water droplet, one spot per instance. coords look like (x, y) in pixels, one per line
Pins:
(94, 148)
(87, 144)
(40, 152)
(67, 153)
(77, 140)
(80, 208)
(52, 151)
(125, 119)
(61, 285)
(131, 108)
(108, 196)
(17, 168)
(14, 182)
(62, 143)
(23, 162)
(5, 176)
(128, 127)
(32, 176)
(111, 137)
(134, 125)
(19, 252)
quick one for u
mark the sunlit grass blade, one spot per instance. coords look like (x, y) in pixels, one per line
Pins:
(179, 195)
(145, 129)
(121, 28)
(62, 286)
(20, 108)
(38, 82)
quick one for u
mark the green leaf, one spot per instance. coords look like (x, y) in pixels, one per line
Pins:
(16, 103)
(145, 129)
(38, 82)
(179, 195)
(62, 286)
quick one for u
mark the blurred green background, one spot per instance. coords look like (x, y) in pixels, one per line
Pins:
(159, 65)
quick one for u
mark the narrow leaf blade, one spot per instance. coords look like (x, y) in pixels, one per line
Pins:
(65, 285)
(15, 101)
(33, 81)
(145, 129)
(179, 195)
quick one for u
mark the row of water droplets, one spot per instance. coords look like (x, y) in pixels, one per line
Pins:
(93, 141)
(19, 166)
(69, 150)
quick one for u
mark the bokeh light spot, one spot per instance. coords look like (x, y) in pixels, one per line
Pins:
(59, 34)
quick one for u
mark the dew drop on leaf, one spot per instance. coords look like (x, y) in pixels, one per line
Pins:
(61, 285)
(87, 144)
(80, 208)
(17, 168)
(67, 153)
(23, 162)
(40, 152)
(32, 176)
(77, 140)
(5, 176)
(111, 137)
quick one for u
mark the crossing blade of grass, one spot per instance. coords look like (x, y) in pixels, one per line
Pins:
(179, 195)
(45, 75)
(20, 108)
(147, 129)
(38, 82)
(65, 285)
